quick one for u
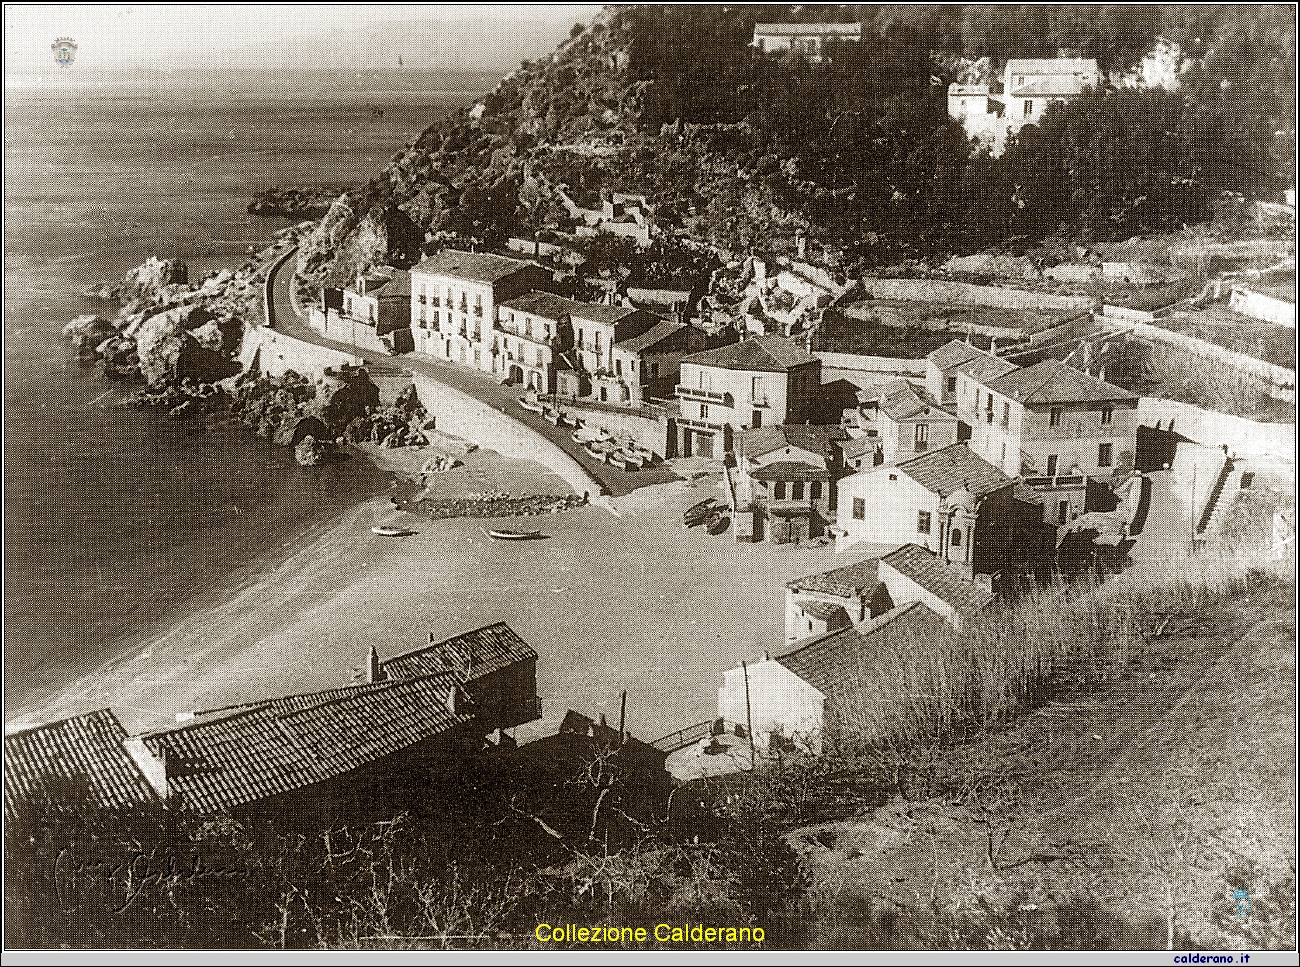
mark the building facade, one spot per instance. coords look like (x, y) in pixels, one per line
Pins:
(823, 602)
(760, 381)
(1053, 425)
(903, 420)
(807, 40)
(535, 329)
(454, 301)
(373, 313)
(785, 482)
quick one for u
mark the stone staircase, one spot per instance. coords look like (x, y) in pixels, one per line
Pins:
(1221, 498)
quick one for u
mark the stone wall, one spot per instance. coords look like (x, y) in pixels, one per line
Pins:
(463, 416)
(868, 371)
(1279, 380)
(651, 434)
(965, 293)
(1245, 438)
(273, 353)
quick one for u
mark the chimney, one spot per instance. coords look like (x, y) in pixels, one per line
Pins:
(602, 719)
(153, 767)
(993, 347)
(453, 698)
(373, 672)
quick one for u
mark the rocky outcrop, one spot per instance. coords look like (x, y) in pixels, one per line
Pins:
(358, 230)
(87, 333)
(294, 202)
(308, 452)
(168, 351)
(145, 284)
(343, 396)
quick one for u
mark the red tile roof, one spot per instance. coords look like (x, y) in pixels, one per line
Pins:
(985, 367)
(843, 582)
(806, 436)
(822, 610)
(944, 581)
(834, 662)
(482, 651)
(757, 354)
(544, 304)
(1052, 381)
(949, 469)
(85, 747)
(954, 353)
(790, 470)
(474, 266)
(900, 400)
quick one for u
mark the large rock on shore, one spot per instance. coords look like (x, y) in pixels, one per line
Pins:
(342, 396)
(168, 351)
(151, 282)
(88, 332)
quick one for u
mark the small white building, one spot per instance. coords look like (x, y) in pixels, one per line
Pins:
(1270, 303)
(808, 40)
(810, 691)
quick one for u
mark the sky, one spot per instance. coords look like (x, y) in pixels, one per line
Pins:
(127, 36)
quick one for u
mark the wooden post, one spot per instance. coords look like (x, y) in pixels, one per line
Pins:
(749, 720)
(622, 719)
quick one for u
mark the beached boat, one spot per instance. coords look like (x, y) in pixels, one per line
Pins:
(554, 417)
(699, 513)
(633, 459)
(530, 406)
(386, 530)
(504, 534)
(597, 451)
(718, 523)
(617, 458)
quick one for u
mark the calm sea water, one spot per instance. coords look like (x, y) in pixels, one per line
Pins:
(118, 522)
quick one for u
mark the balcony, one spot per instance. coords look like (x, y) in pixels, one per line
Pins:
(704, 395)
(1060, 481)
(703, 426)
(758, 402)
(478, 311)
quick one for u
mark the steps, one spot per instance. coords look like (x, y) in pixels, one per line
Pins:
(1223, 502)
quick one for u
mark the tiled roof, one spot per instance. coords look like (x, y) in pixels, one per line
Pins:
(757, 354)
(984, 368)
(88, 747)
(285, 744)
(475, 266)
(859, 446)
(944, 581)
(802, 30)
(482, 651)
(822, 610)
(1051, 381)
(954, 353)
(790, 470)
(836, 660)
(544, 304)
(1022, 491)
(900, 400)
(949, 469)
(657, 334)
(816, 438)
(1050, 66)
(602, 314)
(843, 582)
(1050, 87)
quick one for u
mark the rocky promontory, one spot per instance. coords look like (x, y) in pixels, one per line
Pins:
(294, 202)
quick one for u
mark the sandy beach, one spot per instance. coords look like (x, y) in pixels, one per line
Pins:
(610, 602)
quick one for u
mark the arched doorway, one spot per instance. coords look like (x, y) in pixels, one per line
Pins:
(535, 382)
(516, 374)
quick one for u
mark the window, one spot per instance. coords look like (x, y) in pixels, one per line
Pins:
(923, 522)
(1051, 465)
(922, 435)
(859, 508)
(1055, 418)
(632, 363)
(654, 370)
(1029, 107)
(1006, 414)
(798, 490)
(528, 325)
(1104, 453)
(815, 490)
(952, 384)
(704, 380)
(1063, 511)
(778, 491)
(956, 537)
(1003, 459)
(704, 411)
(893, 476)
(618, 367)
(756, 418)
(597, 340)
(1107, 413)
(422, 319)
(756, 387)
(603, 395)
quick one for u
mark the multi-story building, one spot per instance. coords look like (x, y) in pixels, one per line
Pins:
(597, 328)
(950, 501)
(761, 381)
(834, 599)
(903, 420)
(785, 481)
(1029, 86)
(373, 313)
(535, 328)
(941, 369)
(454, 300)
(1051, 424)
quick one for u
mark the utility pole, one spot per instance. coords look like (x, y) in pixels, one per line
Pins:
(749, 721)
(622, 719)
(1192, 511)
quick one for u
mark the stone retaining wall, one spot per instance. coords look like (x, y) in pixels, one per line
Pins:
(1245, 438)
(936, 290)
(651, 434)
(1281, 381)
(274, 353)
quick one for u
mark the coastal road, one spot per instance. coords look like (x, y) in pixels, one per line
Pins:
(470, 382)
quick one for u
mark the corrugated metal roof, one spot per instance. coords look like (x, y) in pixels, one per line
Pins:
(85, 747)
(475, 266)
(472, 654)
(843, 582)
(951, 468)
(838, 659)
(1052, 381)
(943, 581)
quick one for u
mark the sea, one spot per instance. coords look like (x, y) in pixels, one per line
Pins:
(120, 523)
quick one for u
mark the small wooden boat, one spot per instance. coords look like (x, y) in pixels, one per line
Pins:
(386, 530)
(554, 417)
(504, 534)
(718, 523)
(617, 459)
(633, 459)
(531, 407)
(699, 513)
(596, 451)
